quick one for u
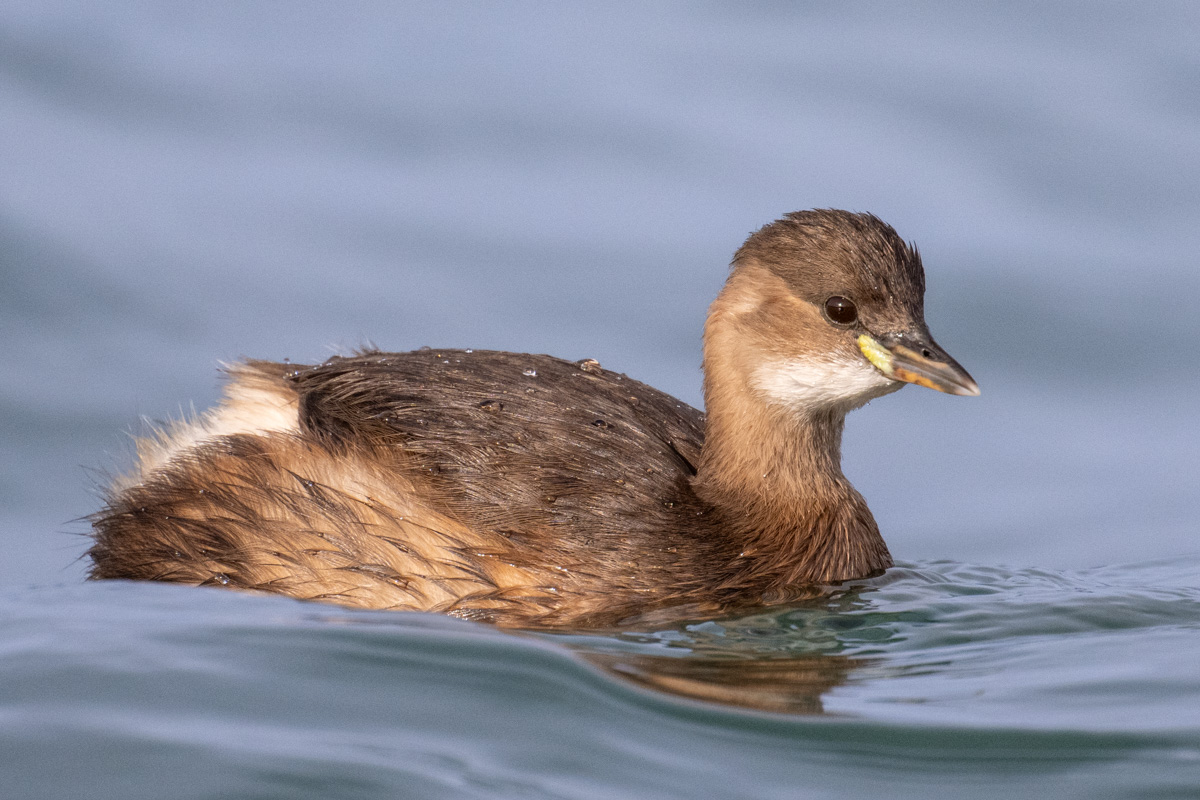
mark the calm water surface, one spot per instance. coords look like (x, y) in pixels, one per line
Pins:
(939, 675)
(182, 184)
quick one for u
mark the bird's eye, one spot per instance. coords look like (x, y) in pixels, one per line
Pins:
(841, 310)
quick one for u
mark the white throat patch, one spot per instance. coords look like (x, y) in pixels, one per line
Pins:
(821, 383)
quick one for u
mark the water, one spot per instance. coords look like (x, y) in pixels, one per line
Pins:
(987, 680)
(181, 185)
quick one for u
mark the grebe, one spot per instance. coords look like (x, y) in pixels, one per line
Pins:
(531, 491)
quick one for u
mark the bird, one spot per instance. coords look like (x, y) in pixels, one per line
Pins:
(530, 491)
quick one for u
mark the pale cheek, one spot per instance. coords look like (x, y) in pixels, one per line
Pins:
(820, 383)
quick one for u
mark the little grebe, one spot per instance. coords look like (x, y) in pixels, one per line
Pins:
(527, 490)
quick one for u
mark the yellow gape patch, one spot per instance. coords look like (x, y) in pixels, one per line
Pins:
(876, 353)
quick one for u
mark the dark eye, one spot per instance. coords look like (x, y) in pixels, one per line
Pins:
(841, 310)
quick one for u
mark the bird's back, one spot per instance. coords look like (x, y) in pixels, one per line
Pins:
(515, 487)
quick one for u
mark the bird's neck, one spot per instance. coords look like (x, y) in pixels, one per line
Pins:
(774, 473)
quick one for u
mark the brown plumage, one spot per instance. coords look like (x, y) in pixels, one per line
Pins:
(528, 490)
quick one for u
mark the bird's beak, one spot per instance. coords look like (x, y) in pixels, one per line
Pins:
(919, 361)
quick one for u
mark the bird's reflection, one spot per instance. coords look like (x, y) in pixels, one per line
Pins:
(782, 659)
(791, 685)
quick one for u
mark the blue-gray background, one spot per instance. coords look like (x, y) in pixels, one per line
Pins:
(185, 183)
(182, 184)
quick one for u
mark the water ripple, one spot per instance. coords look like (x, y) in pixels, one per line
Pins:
(937, 672)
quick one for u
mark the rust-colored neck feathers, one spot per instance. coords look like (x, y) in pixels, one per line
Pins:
(775, 470)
